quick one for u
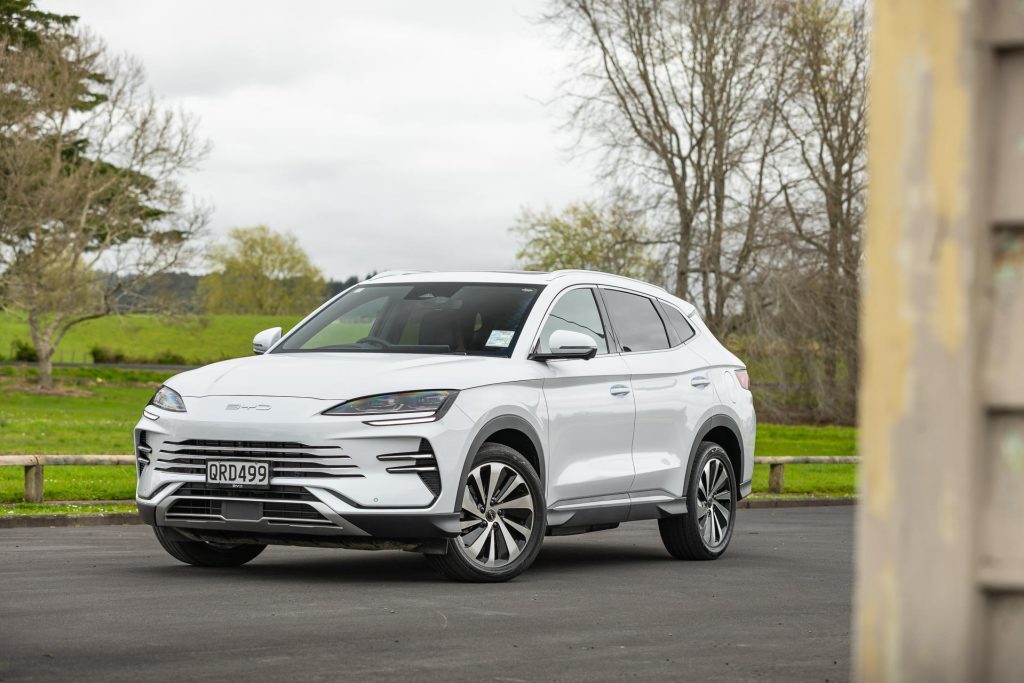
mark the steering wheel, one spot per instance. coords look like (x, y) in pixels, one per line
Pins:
(376, 341)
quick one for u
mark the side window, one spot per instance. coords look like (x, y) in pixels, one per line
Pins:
(636, 321)
(678, 322)
(576, 311)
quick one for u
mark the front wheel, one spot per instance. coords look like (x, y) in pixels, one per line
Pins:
(201, 554)
(503, 519)
(704, 532)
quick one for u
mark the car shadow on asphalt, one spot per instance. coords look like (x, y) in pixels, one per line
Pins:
(334, 567)
(556, 558)
(581, 558)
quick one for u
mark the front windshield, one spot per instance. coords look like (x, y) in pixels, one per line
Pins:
(432, 317)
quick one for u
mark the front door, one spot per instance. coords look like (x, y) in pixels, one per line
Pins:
(590, 408)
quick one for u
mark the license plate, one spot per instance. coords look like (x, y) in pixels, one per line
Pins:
(238, 474)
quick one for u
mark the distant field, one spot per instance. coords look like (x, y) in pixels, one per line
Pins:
(99, 422)
(198, 339)
(107, 402)
(775, 439)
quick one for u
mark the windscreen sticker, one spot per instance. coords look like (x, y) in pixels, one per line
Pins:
(500, 338)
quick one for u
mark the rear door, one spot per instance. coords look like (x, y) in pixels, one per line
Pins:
(590, 407)
(672, 391)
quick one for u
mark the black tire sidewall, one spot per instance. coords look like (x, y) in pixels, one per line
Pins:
(492, 452)
(201, 554)
(707, 451)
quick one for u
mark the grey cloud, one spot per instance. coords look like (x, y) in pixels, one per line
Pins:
(384, 135)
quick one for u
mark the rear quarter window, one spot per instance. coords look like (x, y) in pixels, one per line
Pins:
(678, 322)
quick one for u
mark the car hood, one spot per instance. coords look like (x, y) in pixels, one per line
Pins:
(344, 376)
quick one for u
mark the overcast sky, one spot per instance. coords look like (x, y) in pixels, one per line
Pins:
(383, 134)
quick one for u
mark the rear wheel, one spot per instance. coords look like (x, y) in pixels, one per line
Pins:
(502, 517)
(705, 531)
(203, 554)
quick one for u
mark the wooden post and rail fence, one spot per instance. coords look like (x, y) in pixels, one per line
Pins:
(34, 465)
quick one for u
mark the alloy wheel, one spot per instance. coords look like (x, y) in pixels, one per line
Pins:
(714, 503)
(497, 515)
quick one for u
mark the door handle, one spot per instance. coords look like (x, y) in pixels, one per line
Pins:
(700, 381)
(619, 390)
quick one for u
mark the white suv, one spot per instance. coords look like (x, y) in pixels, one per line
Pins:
(461, 415)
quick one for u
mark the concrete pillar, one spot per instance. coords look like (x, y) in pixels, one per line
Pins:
(940, 541)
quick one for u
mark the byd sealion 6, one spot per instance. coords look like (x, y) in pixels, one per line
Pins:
(464, 416)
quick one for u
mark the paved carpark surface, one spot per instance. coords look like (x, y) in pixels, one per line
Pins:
(107, 603)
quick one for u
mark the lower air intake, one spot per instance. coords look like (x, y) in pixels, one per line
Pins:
(421, 462)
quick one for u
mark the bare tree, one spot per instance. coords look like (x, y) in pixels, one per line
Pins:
(809, 299)
(743, 123)
(682, 97)
(91, 203)
(829, 118)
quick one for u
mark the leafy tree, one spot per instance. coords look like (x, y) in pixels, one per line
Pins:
(23, 25)
(802, 314)
(680, 98)
(335, 287)
(258, 270)
(91, 203)
(611, 239)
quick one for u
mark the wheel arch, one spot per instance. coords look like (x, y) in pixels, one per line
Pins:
(512, 431)
(724, 431)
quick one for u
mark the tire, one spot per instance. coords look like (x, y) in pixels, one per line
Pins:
(687, 537)
(483, 553)
(202, 554)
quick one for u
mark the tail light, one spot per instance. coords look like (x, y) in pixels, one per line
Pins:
(744, 379)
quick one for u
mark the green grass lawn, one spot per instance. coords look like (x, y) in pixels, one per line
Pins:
(99, 421)
(199, 339)
(811, 480)
(105, 404)
(817, 480)
(35, 509)
(774, 439)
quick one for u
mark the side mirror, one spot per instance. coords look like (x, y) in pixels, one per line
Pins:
(568, 344)
(262, 342)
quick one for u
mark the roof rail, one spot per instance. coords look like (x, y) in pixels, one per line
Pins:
(572, 271)
(388, 273)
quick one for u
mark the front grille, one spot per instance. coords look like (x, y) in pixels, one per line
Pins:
(275, 492)
(195, 508)
(263, 445)
(277, 505)
(422, 463)
(287, 459)
(291, 512)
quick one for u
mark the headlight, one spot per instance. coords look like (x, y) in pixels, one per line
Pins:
(388, 404)
(168, 399)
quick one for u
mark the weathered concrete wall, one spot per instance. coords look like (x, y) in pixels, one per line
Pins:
(940, 548)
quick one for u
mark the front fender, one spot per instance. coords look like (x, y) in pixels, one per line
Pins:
(519, 406)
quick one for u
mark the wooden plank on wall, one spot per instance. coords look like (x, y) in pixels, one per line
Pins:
(1008, 150)
(1006, 24)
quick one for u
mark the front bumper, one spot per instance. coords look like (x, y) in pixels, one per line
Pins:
(404, 526)
(331, 476)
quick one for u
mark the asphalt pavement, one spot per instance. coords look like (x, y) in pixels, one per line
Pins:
(106, 603)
